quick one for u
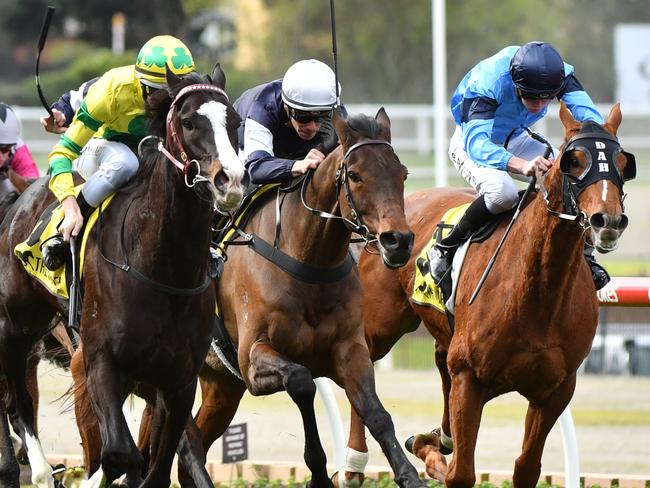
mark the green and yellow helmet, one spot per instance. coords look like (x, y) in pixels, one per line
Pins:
(158, 52)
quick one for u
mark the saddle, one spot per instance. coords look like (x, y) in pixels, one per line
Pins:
(29, 252)
(425, 292)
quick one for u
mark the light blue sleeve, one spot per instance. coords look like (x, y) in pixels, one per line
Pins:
(582, 107)
(479, 147)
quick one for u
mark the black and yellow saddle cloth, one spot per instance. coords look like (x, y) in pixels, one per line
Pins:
(425, 291)
(30, 252)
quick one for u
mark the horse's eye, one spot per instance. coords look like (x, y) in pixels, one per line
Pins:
(354, 177)
(406, 172)
(574, 163)
(187, 123)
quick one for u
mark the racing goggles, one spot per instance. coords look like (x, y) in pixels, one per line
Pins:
(4, 148)
(304, 117)
(536, 96)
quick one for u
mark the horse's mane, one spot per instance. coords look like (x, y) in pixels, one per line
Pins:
(365, 125)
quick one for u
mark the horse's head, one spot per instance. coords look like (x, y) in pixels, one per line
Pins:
(593, 168)
(202, 131)
(372, 180)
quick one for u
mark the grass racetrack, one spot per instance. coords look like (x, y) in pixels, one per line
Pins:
(611, 414)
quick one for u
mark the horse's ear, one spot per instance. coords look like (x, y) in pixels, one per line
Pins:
(218, 76)
(384, 124)
(614, 119)
(567, 119)
(342, 128)
(172, 79)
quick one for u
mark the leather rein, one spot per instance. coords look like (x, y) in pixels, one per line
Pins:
(356, 225)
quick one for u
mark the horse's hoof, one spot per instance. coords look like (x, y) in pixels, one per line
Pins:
(350, 480)
(437, 432)
(408, 444)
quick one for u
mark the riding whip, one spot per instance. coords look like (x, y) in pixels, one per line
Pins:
(73, 308)
(531, 187)
(336, 65)
(41, 45)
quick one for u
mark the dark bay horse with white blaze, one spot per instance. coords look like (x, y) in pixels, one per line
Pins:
(533, 322)
(290, 330)
(148, 308)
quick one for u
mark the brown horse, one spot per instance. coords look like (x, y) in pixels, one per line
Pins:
(20, 184)
(56, 346)
(290, 329)
(533, 322)
(147, 308)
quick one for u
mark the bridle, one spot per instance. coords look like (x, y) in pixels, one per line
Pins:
(601, 150)
(173, 143)
(355, 224)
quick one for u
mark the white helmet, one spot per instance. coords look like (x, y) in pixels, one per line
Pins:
(9, 126)
(309, 85)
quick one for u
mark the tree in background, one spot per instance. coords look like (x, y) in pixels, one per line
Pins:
(384, 45)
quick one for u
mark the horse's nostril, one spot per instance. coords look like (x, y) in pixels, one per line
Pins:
(221, 180)
(388, 240)
(621, 225)
(396, 240)
(598, 220)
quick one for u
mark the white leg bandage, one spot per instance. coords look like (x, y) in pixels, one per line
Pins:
(446, 440)
(355, 461)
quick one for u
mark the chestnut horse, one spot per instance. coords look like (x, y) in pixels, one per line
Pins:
(148, 307)
(290, 329)
(533, 322)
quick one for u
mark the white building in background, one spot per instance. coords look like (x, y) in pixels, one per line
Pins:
(632, 61)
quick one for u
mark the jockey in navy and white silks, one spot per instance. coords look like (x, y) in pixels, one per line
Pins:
(492, 103)
(287, 122)
(65, 107)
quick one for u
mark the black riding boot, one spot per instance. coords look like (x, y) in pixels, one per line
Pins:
(442, 254)
(598, 273)
(56, 251)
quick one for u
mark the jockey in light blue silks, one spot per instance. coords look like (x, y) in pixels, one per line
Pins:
(495, 100)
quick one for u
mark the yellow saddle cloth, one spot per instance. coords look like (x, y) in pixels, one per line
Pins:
(425, 291)
(30, 253)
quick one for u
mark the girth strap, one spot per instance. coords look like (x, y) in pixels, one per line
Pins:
(296, 269)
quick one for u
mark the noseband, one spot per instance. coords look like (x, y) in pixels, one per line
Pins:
(175, 144)
(356, 225)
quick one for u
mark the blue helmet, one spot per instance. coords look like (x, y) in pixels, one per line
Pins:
(537, 70)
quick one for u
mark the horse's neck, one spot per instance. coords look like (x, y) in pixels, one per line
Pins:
(311, 238)
(551, 248)
(175, 223)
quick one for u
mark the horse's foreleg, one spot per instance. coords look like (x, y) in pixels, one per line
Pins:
(540, 419)
(270, 372)
(13, 361)
(173, 407)
(356, 456)
(107, 393)
(221, 393)
(9, 469)
(144, 436)
(354, 369)
(433, 446)
(87, 424)
(466, 402)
